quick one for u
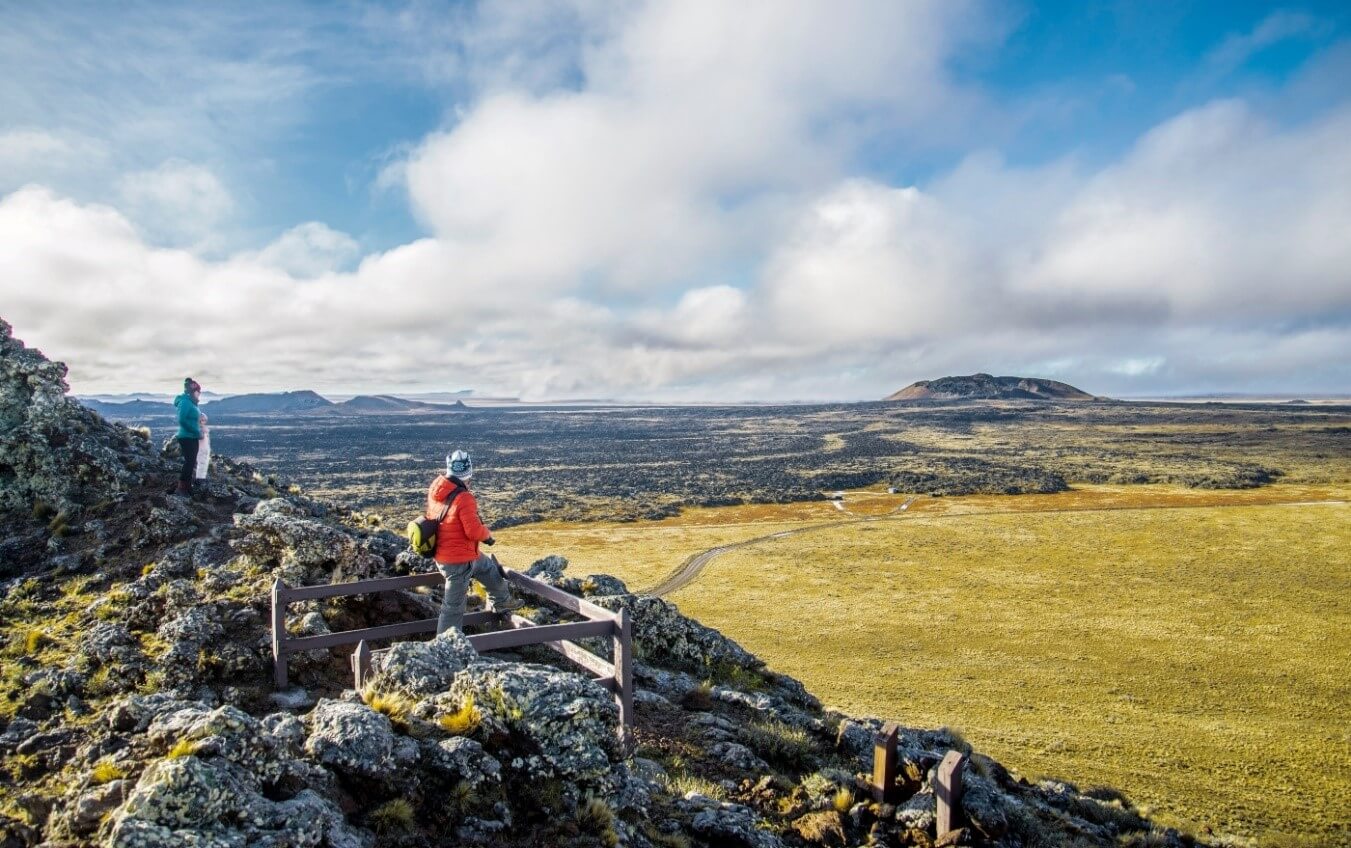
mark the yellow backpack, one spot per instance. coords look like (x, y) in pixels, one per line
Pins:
(421, 533)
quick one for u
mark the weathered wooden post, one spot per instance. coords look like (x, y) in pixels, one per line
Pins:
(361, 664)
(279, 600)
(948, 791)
(884, 763)
(623, 656)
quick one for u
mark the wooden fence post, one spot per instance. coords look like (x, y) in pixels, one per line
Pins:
(884, 763)
(361, 664)
(279, 633)
(623, 662)
(948, 791)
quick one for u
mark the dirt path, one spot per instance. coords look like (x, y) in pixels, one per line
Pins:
(690, 569)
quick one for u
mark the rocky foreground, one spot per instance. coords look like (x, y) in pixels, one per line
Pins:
(136, 706)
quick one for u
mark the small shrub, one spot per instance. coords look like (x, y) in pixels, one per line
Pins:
(147, 568)
(43, 510)
(463, 721)
(394, 816)
(182, 748)
(106, 772)
(700, 698)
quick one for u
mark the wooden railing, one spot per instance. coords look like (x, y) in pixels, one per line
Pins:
(947, 779)
(616, 676)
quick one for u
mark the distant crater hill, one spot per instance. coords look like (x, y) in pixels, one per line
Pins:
(986, 387)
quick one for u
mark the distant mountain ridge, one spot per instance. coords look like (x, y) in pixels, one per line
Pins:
(986, 387)
(303, 402)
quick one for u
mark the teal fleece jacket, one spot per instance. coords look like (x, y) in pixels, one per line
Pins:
(189, 424)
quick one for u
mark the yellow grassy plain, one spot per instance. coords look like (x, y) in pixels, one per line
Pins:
(1187, 647)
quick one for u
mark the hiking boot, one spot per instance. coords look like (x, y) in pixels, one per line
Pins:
(510, 606)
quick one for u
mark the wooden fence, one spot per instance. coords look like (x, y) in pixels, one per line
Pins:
(616, 676)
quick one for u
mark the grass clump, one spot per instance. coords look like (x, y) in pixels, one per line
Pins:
(683, 784)
(661, 839)
(594, 816)
(106, 772)
(35, 640)
(394, 816)
(463, 721)
(393, 706)
(782, 744)
(182, 748)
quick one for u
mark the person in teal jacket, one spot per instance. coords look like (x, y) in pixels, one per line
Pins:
(189, 433)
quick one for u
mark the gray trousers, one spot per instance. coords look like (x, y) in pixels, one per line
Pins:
(458, 575)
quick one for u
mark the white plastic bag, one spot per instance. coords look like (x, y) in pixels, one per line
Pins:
(203, 452)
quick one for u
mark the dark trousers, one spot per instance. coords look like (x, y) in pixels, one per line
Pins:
(189, 448)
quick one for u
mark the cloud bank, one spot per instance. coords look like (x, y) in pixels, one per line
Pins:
(676, 203)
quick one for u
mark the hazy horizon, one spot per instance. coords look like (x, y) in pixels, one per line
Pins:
(680, 201)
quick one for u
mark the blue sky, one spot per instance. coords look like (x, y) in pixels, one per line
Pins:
(687, 201)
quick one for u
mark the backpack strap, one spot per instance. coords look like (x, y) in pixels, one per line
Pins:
(454, 493)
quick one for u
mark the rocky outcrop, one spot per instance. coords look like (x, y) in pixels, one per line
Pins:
(56, 457)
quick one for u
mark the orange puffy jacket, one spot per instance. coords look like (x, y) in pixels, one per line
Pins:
(458, 536)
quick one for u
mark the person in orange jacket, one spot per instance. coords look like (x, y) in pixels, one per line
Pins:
(457, 544)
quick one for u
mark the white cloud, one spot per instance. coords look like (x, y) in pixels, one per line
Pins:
(309, 250)
(694, 122)
(179, 202)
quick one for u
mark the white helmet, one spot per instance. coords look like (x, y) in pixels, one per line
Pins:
(458, 464)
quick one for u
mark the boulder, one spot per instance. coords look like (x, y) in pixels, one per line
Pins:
(355, 740)
(569, 718)
(421, 669)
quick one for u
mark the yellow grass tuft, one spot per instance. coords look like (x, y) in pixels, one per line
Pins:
(463, 721)
(106, 772)
(397, 708)
(842, 800)
(182, 748)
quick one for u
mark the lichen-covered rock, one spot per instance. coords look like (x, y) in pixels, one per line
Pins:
(461, 759)
(57, 452)
(232, 734)
(189, 635)
(354, 739)
(189, 801)
(420, 669)
(307, 550)
(666, 637)
(725, 823)
(110, 644)
(738, 756)
(568, 717)
(83, 816)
